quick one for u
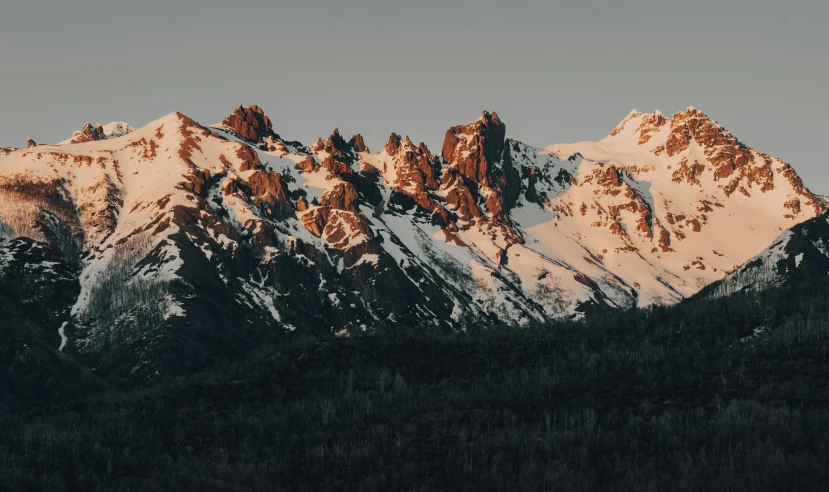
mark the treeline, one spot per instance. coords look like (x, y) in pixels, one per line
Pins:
(728, 394)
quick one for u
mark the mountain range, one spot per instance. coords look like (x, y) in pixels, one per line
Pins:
(155, 250)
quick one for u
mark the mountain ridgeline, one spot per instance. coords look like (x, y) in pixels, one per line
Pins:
(163, 249)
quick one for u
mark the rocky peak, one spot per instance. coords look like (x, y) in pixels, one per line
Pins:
(475, 148)
(336, 144)
(477, 151)
(358, 144)
(30, 143)
(250, 123)
(699, 127)
(723, 151)
(424, 150)
(396, 145)
(89, 134)
(417, 169)
(393, 144)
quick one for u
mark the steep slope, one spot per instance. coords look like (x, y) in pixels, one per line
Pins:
(37, 290)
(137, 207)
(800, 254)
(671, 205)
(188, 243)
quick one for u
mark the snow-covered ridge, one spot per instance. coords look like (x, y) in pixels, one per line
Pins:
(799, 254)
(333, 238)
(109, 131)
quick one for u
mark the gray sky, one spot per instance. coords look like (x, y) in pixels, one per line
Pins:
(554, 71)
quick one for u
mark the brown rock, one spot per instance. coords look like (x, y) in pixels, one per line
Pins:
(230, 187)
(665, 240)
(341, 197)
(336, 144)
(687, 173)
(796, 182)
(249, 158)
(479, 153)
(89, 134)
(196, 181)
(643, 227)
(358, 144)
(250, 123)
(314, 221)
(650, 124)
(270, 189)
(393, 144)
(336, 166)
(694, 224)
(460, 196)
(725, 153)
(308, 164)
(475, 148)
(610, 177)
(415, 167)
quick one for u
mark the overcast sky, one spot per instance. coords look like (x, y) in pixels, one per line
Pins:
(554, 73)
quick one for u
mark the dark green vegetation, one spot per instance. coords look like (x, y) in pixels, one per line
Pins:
(682, 398)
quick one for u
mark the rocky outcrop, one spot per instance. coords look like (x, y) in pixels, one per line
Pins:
(478, 152)
(30, 143)
(723, 151)
(650, 124)
(688, 173)
(461, 194)
(416, 180)
(270, 190)
(358, 144)
(250, 123)
(89, 134)
(249, 158)
(341, 197)
(476, 148)
(415, 167)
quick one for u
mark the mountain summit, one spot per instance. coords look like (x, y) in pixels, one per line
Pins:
(186, 242)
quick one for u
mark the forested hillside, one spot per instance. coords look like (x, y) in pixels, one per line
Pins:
(724, 394)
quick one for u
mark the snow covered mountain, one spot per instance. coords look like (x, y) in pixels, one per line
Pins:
(798, 255)
(190, 242)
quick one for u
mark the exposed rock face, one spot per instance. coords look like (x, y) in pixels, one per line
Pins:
(476, 148)
(341, 197)
(650, 124)
(270, 189)
(358, 144)
(416, 168)
(30, 143)
(250, 123)
(479, 153)
(461, 193)
(723, 151)
(89, 134)
(249, 158)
